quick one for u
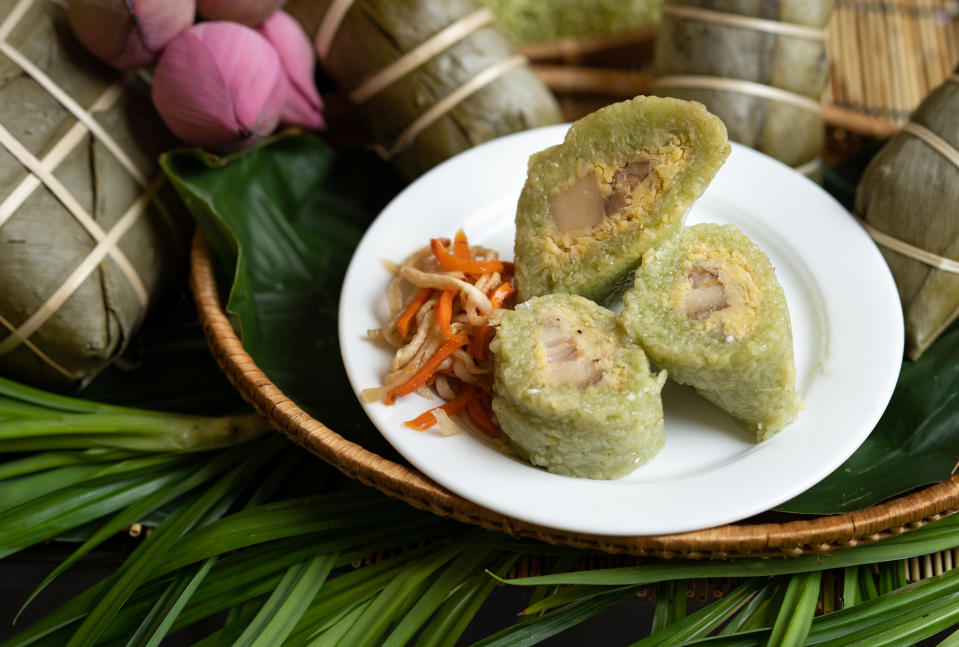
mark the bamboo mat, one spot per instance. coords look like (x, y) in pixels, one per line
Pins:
(884, 56)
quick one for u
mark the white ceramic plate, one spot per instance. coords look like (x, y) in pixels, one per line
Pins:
(847, 328)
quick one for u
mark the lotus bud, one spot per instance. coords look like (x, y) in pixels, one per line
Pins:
(247, 12)
(303, 102)
(219, 85)
(129, 33)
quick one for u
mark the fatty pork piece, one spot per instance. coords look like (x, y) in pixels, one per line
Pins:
(571, 393)
(622, 180)
(707, 307)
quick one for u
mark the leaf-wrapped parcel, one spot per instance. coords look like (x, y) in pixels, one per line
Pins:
(759, 66)
(910, 191)
(539, 21)
(87, 234)
(464, 85)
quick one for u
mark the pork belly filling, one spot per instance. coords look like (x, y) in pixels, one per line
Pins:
(717, 293)
(570, 353)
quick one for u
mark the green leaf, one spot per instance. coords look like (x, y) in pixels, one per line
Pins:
(154, 548)
(550, 624)
(54, 513)
(50, 460)
(373, 624)
(700, 623)
(138, 510)
(464, 566)
(287, 604)
(797, 611)
(449, 623)
(932, 538)
(912, 445)
(157, 623)
(283, 219)
(758, 609)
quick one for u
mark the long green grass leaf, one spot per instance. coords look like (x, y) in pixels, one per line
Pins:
(145, 432)
(350, 588)
(904, 631)
(886, 612)
(952, 640)
(796, 614)
(465, 565)
(851, 593)
(550, 624)
(33, 486)
(449, 623)
(332, 635)
(932, 538)
(137, 567)
(700, 623)
(754, 613)
(287, 604)
(57, 512)
(372, 625)
(137, 511)
(53, 459)
(161, 617)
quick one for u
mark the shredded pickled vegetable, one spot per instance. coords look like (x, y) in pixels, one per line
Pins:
(444, 300)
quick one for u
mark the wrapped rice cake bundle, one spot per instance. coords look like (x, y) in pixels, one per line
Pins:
(572, 393)
(707, 307)
(760, 66)
(89, 231)
(538, 21)
(909, 197)
(622, 179)
(426, 79)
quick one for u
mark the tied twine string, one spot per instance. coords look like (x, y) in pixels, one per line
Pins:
(745, 22)
(329, 25)
(429, 48)
(945, 149)
(751, 88)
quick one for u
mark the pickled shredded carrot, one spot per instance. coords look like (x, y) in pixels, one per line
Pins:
(481, 414)
(422, 376)
(427, 346)
(428, 419)
(451, 263)
(479, 344)
(444, 313)
(500, 294)
(461, 246)
(403, 323)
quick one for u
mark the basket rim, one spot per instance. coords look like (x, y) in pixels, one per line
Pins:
(822, 535)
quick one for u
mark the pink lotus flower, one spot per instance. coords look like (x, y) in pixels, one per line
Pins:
(220, 86)
(303, 102)
(129, 33)
(247, 12)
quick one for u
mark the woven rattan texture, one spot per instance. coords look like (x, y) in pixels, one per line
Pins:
(792, 538)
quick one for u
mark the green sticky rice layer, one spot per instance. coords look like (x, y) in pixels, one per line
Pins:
(600, 431)
(752, 377)
(548, 262)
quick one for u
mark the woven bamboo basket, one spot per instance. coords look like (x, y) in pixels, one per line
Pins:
(884, 56)
(745, 539)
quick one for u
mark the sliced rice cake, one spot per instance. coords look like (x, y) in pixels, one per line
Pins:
(622, 179)
(572, 393)
(707, 307)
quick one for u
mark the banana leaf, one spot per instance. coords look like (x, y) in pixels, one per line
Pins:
(284, 219)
